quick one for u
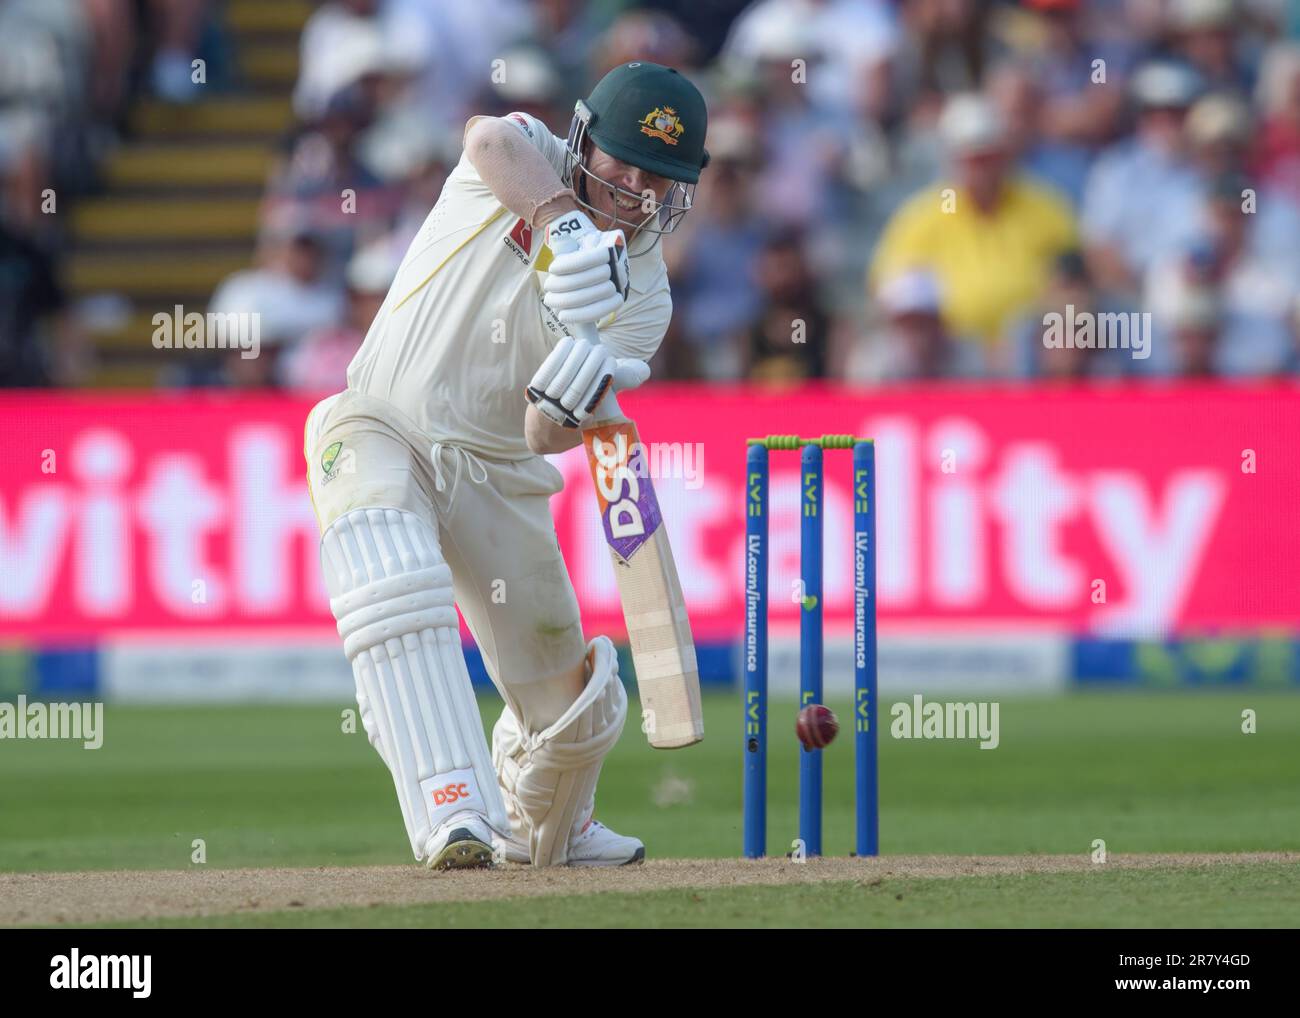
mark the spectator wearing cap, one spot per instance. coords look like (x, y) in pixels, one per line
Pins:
(1276, 156)
(397, 132)
(1219, 129)
(1252, 264)
(1205, 35)
(989, 235)
(455, 44)
(716, 258)
(531, 83)
(342, 41)
(1140, 201)
(849, 45)
(802, 142)
(912, 342)
(319, 363)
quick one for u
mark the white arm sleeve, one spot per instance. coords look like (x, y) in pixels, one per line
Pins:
(518, 160)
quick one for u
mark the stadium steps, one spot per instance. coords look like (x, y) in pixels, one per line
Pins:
(179, 211)
(252, 115)
(134, 335)
(101, 222)
(155, 274)
(270, 64)
(245, 17)
(145, 165)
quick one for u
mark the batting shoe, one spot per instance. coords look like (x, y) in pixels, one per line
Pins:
(463, 842)
(593, 844)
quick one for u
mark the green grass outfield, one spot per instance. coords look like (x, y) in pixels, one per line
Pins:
(284, 786)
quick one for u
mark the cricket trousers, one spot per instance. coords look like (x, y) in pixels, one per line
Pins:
(494, 524)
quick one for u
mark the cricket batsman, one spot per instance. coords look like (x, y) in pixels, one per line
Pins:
(431, 490)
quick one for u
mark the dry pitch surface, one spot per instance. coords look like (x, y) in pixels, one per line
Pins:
(45, 899)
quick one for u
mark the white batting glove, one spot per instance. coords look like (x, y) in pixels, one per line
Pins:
(575, 377)
(586, 284)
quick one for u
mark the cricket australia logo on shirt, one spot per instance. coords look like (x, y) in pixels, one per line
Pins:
(329, 462)
(520, 241)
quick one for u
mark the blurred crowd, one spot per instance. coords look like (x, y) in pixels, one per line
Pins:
(69, 71)
(899, 189)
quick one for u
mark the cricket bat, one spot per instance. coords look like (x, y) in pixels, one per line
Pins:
(663, 650)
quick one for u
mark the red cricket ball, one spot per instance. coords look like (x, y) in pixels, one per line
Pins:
(816, 726)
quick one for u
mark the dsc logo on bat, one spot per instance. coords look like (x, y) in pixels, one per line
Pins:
(618, 485)
(629, 510)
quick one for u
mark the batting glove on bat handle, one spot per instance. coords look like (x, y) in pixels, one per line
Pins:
(580, 373)
(588, 275)
(536, 390)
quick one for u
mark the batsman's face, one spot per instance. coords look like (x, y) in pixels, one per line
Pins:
(638, 196)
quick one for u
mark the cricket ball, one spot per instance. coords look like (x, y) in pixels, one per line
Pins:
(816, 726)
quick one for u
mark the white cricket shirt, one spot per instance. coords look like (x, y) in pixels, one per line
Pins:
(463, 328)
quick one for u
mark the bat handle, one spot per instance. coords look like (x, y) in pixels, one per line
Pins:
(607, 409)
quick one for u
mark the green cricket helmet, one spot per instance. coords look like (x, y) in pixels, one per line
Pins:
(649, 116)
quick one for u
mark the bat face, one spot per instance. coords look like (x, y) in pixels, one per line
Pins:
(654, 609)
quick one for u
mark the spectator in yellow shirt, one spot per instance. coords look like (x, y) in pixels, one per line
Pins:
(989, 236)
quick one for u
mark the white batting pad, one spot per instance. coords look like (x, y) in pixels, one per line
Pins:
(391, 592)
(549, 777)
